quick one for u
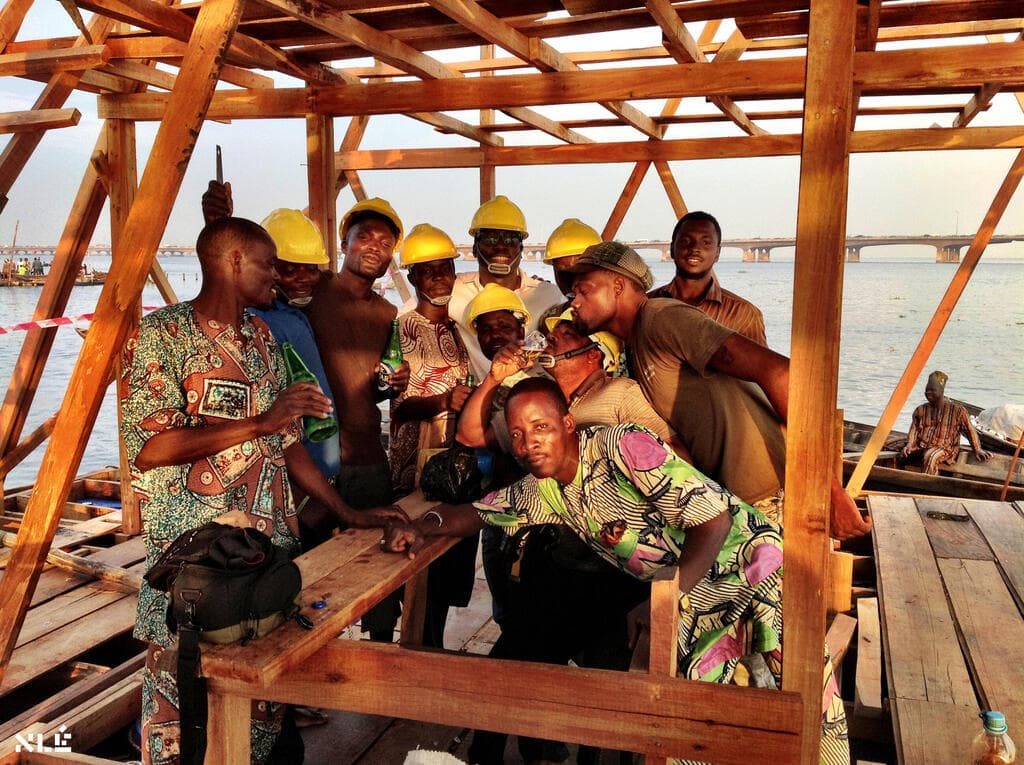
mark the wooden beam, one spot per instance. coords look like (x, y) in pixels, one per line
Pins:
(947, 69)
(868, 141)
(668, 180)
(14, 456)
(668, 716)
(814, 356)
(938, 322)
(172, 148)
(625, 199)
(49, 62)
(978, 103)
(41, 119)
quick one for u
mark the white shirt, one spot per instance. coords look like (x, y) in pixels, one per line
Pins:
(537, 295)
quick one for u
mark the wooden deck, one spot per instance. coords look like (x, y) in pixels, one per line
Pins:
(951, 595)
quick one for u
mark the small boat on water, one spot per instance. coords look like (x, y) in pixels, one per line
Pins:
(90, 278)
(968, 477)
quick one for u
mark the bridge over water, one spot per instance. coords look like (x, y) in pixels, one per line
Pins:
(758, 250)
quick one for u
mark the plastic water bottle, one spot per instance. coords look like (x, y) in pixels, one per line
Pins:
(992, 746)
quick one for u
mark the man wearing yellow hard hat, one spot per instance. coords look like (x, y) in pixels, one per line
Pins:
(300, 253)
(498, 230)
(424, 416)
(352, 324)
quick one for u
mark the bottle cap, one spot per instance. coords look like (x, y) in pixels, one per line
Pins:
(995, 722)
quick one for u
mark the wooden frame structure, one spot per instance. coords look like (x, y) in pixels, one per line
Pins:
(828, 54)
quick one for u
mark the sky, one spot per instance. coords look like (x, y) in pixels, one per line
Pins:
(906, 193)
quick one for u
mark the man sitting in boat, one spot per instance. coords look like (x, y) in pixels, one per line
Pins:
(935, 430)
(642, 509)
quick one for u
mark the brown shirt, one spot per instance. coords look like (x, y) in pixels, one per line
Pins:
(723, 306)
(728, 424)
(604, 400)
(351, 333)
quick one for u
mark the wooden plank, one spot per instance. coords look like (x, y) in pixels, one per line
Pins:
(168, 161)
(227, 723)
(1003, 528)
(867, 695)
(69, 607)
(43, 119)
(72, 696)
(922, 655)
(952, 538)
(839, 637)
(54, 581)
(664, 623)
(933, 733)
(839, 582)
(814, 356)
(938, 322)
(992, 630)
(68, 642)
(664, 716)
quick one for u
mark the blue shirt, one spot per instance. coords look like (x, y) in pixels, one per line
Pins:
(290, 325)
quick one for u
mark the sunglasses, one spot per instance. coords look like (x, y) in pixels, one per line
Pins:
(507, 238)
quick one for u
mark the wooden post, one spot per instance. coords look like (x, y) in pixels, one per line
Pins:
(122, 182)
(320, 177)
(934, 329)
(668, 180)
(172, 149)
(488, 173)
(227, 730)
(814, 365)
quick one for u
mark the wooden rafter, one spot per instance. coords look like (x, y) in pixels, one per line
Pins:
(684, 49)
(537, 52)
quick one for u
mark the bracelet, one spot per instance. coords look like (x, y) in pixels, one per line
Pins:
(440, 520)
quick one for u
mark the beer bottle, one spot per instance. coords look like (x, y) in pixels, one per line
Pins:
(390, 361)
(315, 428)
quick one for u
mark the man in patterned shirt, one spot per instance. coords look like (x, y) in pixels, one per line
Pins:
(935, 430)
(210, 434)
(642, 509)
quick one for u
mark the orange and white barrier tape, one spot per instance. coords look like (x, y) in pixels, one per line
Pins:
(59, 321)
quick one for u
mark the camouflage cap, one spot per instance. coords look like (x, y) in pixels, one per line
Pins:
(617, 258)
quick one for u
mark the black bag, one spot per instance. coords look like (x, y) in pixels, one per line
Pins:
(453, 476)
(226, 584)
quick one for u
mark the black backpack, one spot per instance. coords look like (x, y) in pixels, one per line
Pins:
(226, 584)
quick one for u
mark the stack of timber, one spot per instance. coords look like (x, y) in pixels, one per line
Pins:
(75, 674)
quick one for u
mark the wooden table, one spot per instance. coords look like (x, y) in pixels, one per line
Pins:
(648, 712)
(951, 596)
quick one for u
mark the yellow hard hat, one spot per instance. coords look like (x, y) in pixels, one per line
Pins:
(297, 238)
(494, 297)
(426, 243)
(609, 344)
(499, 213)
(571, 237)
(376, 205)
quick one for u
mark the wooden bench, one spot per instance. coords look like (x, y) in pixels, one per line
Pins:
(951, 576)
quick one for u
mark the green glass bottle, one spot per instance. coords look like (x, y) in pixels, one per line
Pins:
(390, 361)
(315, 428)
(470, 380)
